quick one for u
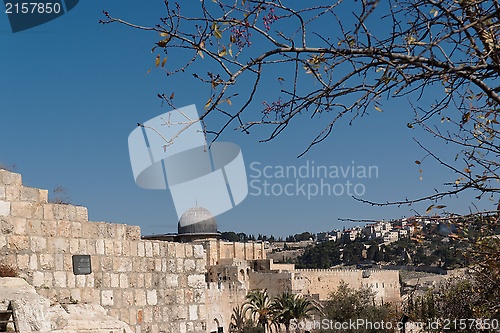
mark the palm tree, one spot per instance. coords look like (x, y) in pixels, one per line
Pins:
(259, 305)
(238, 319)
(282, 307)
(304, 308)
(287, 307)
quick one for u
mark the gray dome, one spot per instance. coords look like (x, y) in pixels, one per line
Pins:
(197, 220)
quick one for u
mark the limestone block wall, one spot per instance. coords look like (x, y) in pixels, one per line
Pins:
(153, 286)
(281, 267)
(218, 250)
(224, 297)
(322, 282)
(276, 283)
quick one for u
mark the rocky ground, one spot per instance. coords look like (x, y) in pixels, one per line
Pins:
(34, 313)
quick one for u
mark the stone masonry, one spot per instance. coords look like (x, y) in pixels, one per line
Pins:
(153, 286)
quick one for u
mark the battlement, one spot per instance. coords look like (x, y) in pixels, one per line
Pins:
(339, 270)
(134, 279)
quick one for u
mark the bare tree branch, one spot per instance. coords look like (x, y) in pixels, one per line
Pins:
(341, 60)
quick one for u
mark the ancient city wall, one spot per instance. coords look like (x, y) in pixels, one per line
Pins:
(218, 249)
(153, 286)
(275, 282)
(321, 282)
(225, 296)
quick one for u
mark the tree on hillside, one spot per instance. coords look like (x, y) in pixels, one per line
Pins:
(468, 296)
(230, 236)
(343, 60)
(324, 255)
(347, 303)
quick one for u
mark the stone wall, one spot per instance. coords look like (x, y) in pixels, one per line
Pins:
(275, 282)
(218, 250)
(153, 286)
(322, 282)
(224, 297)
(319, 283)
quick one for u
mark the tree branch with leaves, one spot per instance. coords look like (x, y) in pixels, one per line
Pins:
(343, 60)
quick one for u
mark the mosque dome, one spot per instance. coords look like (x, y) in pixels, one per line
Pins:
(197, 220)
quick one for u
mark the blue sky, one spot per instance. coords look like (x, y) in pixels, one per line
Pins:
(72, 90)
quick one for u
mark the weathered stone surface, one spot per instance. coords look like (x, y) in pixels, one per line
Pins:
(100, 246)
(48, 211)
(10, 178)
(38, 279)
(121, 230)
(149, 249)
(124, 281)
(140, 249)
(140, 297)
(81, 214)
(198, 251)
(193, 312)
(34, 227)
(171, 280)
(47, 261)
(189, 265)
(19, 243)
(189, 251)
(156, 249)
(30, 194)
(109, 246)
(60, 211)
(64, 229)
(60, 279)
(196, 281)
(138, 281)
(43, 196)
(107, 298)
(31, 310)
(4, 208)
(12, 193)
(89, 229)
(59, 245)
(6, 225)
(151, 296)
(38, 244)
(26, 210)
(76, 229)
(86, 318)
(122, 265)
(23, 261)
(19, 226)
(49, 228)
(180, 251)
(3, 241)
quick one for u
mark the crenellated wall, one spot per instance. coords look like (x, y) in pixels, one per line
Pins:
(153, 286)
(319, 283)
(218, 250)
(322, 282)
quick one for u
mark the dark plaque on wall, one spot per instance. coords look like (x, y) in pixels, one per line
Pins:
(81, 265)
